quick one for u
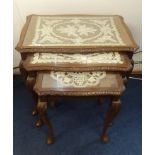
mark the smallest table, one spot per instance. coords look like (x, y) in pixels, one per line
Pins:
(57, 84)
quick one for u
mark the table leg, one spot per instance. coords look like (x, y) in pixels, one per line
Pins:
(23, 71)
(100, 101)
(35, 112)
(35, 97)
(110, 115)
(39, 123)
(30, 81)
(42, 108)
(128, 74)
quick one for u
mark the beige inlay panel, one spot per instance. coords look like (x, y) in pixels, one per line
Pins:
(77, 79)
(76, 31)
(70, 80)
(95, 58)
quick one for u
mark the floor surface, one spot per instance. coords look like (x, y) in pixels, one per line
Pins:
(78, 124)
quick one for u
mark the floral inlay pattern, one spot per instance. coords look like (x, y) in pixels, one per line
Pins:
(76, 30)
(77, 79)
(94, 58)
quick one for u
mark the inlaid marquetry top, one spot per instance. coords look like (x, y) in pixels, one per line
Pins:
(76, 79)
(109, 61)
(79, 83)
(93, 58)
(70, 33)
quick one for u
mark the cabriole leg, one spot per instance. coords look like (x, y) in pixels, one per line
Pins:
(42, 110)
(110, 115)
(30, 81)
(23, 71)
(100, 101)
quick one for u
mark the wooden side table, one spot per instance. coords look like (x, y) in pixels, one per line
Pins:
(78, 84)
(83, 45)
(106, 61)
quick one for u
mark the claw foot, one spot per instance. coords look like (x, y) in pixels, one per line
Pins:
(105, 138)
(39, 123)
(50, 140)
(34, 112)
(110, 125)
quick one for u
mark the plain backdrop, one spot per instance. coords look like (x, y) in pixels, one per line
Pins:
(129, 9)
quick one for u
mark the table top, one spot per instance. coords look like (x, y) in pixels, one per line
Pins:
(106, 61)
(78, 83)
(75, 33)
